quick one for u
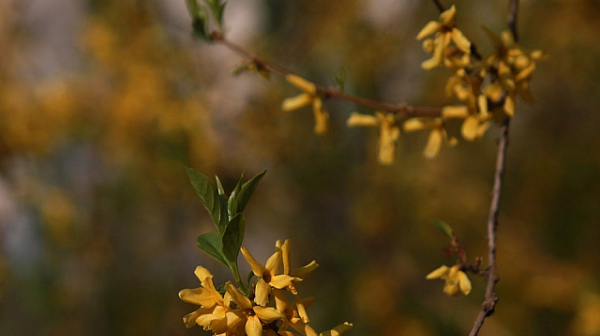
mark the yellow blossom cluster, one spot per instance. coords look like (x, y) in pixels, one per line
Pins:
(454, 279)
(486, 88)
(266, 310)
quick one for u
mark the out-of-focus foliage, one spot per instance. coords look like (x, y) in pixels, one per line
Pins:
(102, 103)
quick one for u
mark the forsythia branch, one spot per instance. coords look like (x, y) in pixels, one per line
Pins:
(327, 91)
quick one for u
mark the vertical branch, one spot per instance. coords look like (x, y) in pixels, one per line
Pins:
(490, 300)
(513, 8)
(439, 5)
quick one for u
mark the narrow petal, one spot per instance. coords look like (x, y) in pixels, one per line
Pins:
(304, 271)
(357, 119)
(190, 319)
(482, 129)
(430, 63)
(262, 293)
(257, 268)
(433, 144)
(321, 117)
(387, 144)
(268, 314)
(294, 103)
(430, 28)
(482, 103)
(238, 297)
(282, 281)
(414, 124)
(273, 264)
(253, 326)
(461, 40)
(438, 272)
(525, 73)
(451, 289)
(200, 296)
(455, 112)
(285, 256)
(469, 128)
(302, 84)
(301, 309)
(281, 301)
(338, 331)
(448, 17)
(464, 283)
(509, 106)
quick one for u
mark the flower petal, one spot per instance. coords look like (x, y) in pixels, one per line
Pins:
(304, 271)
(253, 326)
(414, 124)
(257, 268)
(461, 40)
(464, 283)
(263, 289)
(433, 144)
(430, 28)
(357, 119)
(338, 331)
(268, 314)
(301, 309)
(238, 297)
(469, 128)
(200, 296)
(448, 17)
(285, 256)
(294, 103)
(302, 84)
(321, 117)
(455, 112)
(509, 106)
(482, 103)
(438, 272)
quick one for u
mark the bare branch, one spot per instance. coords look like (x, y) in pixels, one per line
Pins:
(329, 92)
(439, 5)
(513, 9)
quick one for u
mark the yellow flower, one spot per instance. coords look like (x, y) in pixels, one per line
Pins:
(389, 132)
(476, 122)
(437, 134)
(445, 32)
(254, 316)
(266, 275)
(309, 97)
(454, 278)
(299, 273)
(214, 313)
(291, 311)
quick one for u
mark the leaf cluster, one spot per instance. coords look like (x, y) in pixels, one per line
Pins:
(201, 12)
(226, 214)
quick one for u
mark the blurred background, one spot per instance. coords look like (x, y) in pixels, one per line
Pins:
(102, 103)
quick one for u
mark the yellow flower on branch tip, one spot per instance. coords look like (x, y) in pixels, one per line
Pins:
(436, 136)
(389, 132)
(290, 310)
(266, 275)
(454, 278)
(309, 97)
(255, 316)
(206, 296)
(445, 32)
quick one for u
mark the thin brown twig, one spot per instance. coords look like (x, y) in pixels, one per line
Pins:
(439, 5)
(491, 273)
(490, 300)
(329, 92)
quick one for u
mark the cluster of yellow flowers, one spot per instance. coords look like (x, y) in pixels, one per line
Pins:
(486, 88)
(234, 314)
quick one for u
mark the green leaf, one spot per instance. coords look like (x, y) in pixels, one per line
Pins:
(212, 244)
(219, 14)
(232, 204)
(199, 28)
(220, 189)
(444, 227)
(209, 196)
(233, 237)
(243, 196)
(340, 79)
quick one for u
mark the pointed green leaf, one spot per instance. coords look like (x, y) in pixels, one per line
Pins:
(209, 196)
(219, 14)
(211, 243)
(444, 227)
(220, 189)
(233, 237)
(340, 79)
(232, 204)
(246, 192)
